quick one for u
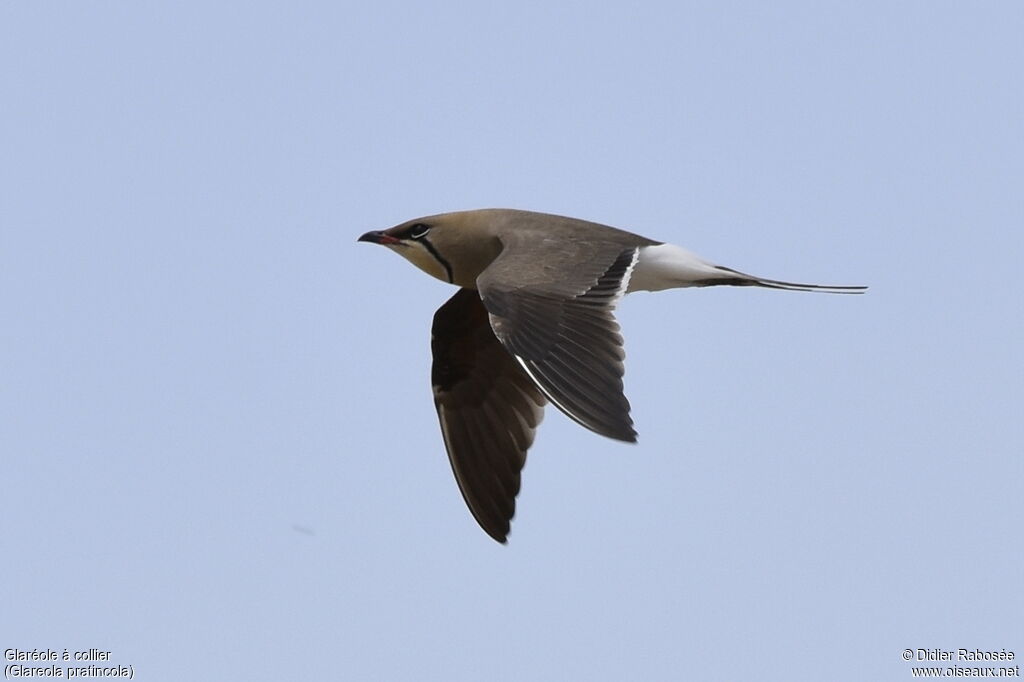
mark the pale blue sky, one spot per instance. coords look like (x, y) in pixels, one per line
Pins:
(197, 357)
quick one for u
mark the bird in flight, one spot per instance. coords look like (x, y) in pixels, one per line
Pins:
(533, 322)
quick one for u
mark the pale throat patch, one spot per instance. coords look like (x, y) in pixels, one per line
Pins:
(418, 255)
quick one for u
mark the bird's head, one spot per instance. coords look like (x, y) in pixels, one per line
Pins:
(453, 247)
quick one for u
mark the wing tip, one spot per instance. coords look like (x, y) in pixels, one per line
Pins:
(501, 537)
(623, 433)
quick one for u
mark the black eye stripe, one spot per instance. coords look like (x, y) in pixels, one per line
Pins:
(418, 230)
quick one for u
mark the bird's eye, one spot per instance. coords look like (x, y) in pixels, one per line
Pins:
(418, 230)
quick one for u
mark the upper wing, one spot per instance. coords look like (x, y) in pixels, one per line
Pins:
(488, 408)
(556, 318)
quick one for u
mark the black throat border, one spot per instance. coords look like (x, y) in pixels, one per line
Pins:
(439, 258)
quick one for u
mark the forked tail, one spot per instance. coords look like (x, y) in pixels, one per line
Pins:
(737, 278)
(666, 266)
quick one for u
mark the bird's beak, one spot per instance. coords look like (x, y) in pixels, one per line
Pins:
(378, 237)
